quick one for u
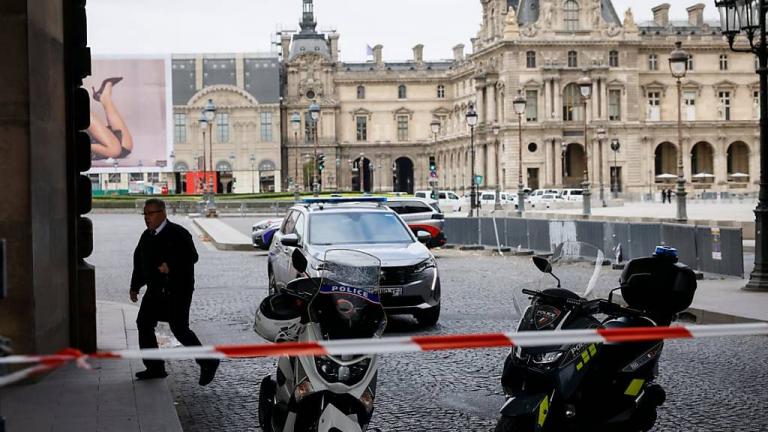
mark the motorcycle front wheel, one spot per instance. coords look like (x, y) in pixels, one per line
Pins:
(512, 424)
(266, 395)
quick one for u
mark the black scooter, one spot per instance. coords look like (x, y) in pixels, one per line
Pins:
(595, 387)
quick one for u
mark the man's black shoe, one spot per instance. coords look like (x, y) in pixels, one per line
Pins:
(151, 374)
(208, 371)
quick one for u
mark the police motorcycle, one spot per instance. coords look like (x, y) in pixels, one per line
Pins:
(323, 393)
(592, 387)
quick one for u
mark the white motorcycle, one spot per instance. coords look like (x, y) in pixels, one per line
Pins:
(323, 393)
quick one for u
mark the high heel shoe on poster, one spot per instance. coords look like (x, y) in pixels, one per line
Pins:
(97, 94)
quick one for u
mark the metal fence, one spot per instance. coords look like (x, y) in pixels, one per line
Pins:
(714, 250)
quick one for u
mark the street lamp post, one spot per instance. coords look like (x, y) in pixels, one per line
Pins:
(314, 112)
(204, 183)
(518, 104)
(172, 157)
(615, 146)
(253, 172)
(600, 137)
(295, 124)
(563, 149)
(678, 65)
(751, 19)
(361, 172)
(210, 115)
(471, 117)
(497, 201)
(585, 87)
(435, 127)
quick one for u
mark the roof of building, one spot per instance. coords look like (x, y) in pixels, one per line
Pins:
(528, 11)
(397, 66)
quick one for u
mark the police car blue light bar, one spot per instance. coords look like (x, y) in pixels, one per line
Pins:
(344, 200)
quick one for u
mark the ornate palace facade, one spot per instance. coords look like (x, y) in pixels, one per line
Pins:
(379, 112)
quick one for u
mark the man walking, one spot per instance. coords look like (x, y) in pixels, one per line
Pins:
(164, 261)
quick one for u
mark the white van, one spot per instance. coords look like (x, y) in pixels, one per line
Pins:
(447, 198)
(573, 195)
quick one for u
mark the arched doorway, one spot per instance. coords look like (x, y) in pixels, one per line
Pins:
(702, 163)
(738, 162)
(665, 163)
(574, 161)
(402, 175)
(223, 177)
(180, 177)
(362, 167)
(267, 176)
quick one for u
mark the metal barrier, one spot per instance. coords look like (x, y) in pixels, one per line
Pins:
(706, 249)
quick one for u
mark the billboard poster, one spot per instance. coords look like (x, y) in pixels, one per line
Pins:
(129, 113)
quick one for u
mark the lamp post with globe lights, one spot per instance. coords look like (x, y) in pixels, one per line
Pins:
(295, 125)
(615, 146)
(210, 115)
(203, 182)
(601, 134)
(435, 127)
(518, 104)
(678, 65)
(585, 87)
(314, 113)
(748, 17)
(471, 118)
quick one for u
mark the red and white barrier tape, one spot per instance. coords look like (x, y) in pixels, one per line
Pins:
(410, 344)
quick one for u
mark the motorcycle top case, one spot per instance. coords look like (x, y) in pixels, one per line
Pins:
(662, 287)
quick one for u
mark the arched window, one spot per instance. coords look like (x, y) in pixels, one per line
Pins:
(571, 15)
(573, 59)
(401, 91)
(360, 92)
(573, 108)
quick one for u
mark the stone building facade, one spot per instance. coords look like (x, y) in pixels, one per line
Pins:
(245, 135)
(379, 112)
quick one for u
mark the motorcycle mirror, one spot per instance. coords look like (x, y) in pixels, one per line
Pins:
(299, 261)
(542, 264)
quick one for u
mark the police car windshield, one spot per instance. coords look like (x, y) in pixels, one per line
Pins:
(357, 228)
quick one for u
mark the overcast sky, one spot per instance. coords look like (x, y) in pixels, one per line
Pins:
(119, 27)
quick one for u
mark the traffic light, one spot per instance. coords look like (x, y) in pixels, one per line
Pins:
(320, 161)
(432, 164)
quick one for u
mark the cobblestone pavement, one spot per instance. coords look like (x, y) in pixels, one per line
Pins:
(712, 385)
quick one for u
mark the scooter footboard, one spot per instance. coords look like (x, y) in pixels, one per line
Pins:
(329, 410)
(534, 407)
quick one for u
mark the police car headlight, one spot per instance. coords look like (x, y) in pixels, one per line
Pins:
(424, 265)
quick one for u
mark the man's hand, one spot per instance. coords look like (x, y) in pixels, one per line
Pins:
(163, 268)
(134, 296)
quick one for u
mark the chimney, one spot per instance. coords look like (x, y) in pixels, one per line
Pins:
(285, 45)
(661, 15)
(418, 54)
(333, 41)
(458, 53)
(696, 15)
(377, 55)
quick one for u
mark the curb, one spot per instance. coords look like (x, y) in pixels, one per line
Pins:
(223, 246)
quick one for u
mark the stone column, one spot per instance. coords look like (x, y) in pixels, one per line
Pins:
(480, 100)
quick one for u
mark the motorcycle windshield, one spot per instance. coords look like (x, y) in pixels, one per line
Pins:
(346, 305)
(577, 266)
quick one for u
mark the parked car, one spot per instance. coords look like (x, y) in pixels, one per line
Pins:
(421, 214)
(545, 200)
(447, 198)
(263, 231)
(573, 195)
(410, 283)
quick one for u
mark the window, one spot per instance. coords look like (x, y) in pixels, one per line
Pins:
(571, 15)
(653, 62)
(613, 59)
(573, 109)
(298, 227)
(222, 130)
(309, 128)
(440, 91)
(756, 103)
(531, 105)
(266, 126)
(614, 105)
(402, 128)
(654, 106)
(690, 62)
(689, 101)
(530, 59)
(360, 92)
(179, 128)
(573, 59)
(114, 178)
(153, 177)
(362, 128)
(401, 91)
(134, 177)
(723, 62)
(725, 105)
